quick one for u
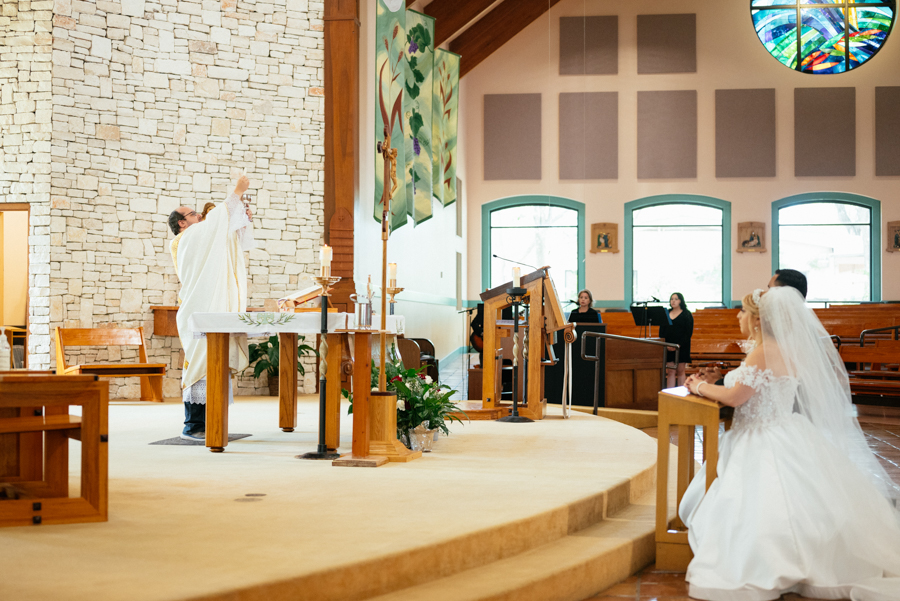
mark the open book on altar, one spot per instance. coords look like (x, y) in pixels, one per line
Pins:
(289, 302)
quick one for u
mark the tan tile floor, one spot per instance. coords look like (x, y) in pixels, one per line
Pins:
(883, 435)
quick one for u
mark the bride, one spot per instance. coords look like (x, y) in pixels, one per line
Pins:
(800, 503)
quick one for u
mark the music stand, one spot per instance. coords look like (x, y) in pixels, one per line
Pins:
(645, 316)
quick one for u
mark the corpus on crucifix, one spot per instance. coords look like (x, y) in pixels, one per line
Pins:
(390, 172)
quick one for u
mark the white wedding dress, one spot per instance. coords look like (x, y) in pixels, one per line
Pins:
(788, 511)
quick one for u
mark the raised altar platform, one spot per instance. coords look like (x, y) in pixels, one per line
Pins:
(558, 509)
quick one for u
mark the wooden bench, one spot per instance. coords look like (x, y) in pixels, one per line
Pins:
(151, 374)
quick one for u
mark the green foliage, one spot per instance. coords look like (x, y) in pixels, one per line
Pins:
(265, 356)
(423, 400)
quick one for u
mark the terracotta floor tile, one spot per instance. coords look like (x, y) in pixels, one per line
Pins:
(662, 578)
(623, 589)
(666, 589)
(684, 598)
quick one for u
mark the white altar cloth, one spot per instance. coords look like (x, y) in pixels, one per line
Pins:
(267, 324)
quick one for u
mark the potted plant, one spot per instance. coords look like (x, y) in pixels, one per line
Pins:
(265, 357)
(423, 405)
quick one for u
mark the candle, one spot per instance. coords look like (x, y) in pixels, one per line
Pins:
(325, 259)
(517, 274)
(392, 275)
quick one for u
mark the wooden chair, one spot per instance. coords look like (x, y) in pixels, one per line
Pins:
(35, 428)
(428, 357)
(410, 353)
(151, 374)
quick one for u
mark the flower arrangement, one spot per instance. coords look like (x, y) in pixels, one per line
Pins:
(420, 400)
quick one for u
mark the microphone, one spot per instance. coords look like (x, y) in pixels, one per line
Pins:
(655, 300)
(516, 262)
(571, 302)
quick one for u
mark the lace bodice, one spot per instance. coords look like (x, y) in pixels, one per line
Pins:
(772, 403)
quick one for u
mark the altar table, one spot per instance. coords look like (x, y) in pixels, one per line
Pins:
(219, 327)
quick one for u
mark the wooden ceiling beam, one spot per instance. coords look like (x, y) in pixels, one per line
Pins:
(452, 15)
(495, 29)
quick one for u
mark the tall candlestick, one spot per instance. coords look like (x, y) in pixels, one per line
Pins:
(517, 277)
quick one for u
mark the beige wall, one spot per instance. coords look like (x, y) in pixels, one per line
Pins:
(729, 56)
(15, 266)
(426, 254)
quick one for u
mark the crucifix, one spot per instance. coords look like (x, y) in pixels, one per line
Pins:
(390, 174)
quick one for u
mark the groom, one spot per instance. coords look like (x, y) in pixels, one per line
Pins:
(782, 277)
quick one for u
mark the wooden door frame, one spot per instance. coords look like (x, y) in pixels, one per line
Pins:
(23, 206)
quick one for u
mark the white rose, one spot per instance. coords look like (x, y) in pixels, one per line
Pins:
(428, 380)
(401, 405)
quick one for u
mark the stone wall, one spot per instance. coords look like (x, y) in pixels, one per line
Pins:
(25, 130)
(157, 105)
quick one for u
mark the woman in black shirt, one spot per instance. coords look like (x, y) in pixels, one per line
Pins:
(584, 313)
(680, 333)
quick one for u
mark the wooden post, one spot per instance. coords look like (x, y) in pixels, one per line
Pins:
(341, 100)
(287, 381)
(362, 385)
(217, 377)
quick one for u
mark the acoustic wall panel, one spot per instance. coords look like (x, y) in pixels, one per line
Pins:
(887, 131)
(745, 133)
(512, 136)
(589, 135)
(667, 134)
(824, 132)
(667, 43)
(589, 45)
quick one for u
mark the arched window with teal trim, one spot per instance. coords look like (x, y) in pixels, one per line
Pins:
(833, 238)
(678, 243)
(536, 231)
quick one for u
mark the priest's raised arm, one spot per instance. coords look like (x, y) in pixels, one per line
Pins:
(209, 259)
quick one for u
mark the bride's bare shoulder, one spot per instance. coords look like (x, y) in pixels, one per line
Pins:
(757, 357)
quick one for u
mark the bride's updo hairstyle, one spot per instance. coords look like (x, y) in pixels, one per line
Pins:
(750, 305)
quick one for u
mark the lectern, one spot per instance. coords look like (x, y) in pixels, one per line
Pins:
(545, 316)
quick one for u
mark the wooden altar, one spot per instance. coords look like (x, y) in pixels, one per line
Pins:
(544, 316)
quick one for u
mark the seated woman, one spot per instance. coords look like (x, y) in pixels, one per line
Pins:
(585, 313)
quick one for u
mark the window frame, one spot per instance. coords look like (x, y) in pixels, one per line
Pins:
(874, 207)
(521, 201)
(666, 199)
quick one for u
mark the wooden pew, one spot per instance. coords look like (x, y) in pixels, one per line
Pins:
(151, 374)
(874, 379)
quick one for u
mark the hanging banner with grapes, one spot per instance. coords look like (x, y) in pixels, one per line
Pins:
(445, 113)
(390, 80)
(417, 110)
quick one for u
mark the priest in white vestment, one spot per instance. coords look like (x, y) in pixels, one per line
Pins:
(209, 259)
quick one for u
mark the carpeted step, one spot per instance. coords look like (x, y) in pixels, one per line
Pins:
(568, 569)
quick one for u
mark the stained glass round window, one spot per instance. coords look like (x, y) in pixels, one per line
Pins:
(834, 35)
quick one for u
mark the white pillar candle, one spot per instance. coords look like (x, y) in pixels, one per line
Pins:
(392, 275)
(517, 277)
(325, 259)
